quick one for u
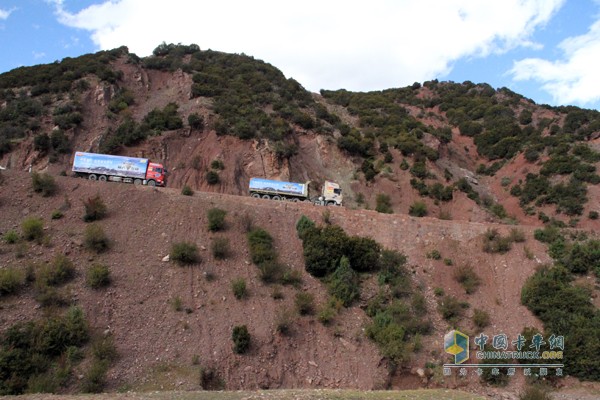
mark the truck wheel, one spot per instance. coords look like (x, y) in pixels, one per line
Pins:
(137, 182)
(330, 203)
(266, 196)
(92, 177)
(151, 183)
(294, 200)
(102, 178)
(276, 198)
(255, 195)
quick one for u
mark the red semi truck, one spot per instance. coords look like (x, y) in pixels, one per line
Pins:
(104, 167)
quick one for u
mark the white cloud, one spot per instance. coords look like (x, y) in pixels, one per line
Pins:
(573, 79)
(37, 55)
(325, 44)
(4, 14)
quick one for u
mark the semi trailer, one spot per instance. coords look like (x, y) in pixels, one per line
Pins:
(331, 194)
(105, 167)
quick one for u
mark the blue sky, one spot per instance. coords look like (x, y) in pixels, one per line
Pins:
(546, 50)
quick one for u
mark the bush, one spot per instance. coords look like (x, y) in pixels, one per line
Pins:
(481, 319)
(95, 239)
(466, 276)
(517, 235)
(196, 121)
(418, 209)
(11, 237)
(98, 276)
(187, 191)
(384, 204)
(59, 271)
(220, 248)
(43, 183)
(184, 253)
(241, 339)
(217, 164)
(283, 321)
(216, 219)
(94, 379)
(95, 209)
(450, 308)
(57, 214)
(210, 379)
(11, 279)
(239, 288)
(271, 271)
(305, 303)
(261, 246)
(493, 242)
(434, 255)
(303, 224)
(343, 283)
(212, 177)
(593, 215)
(33, 229)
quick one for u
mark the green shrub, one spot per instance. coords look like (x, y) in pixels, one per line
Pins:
(33, 229)
(216, 219)
(284, 321)
(493, 242)
(323, 249)
(94, 379)
(329, 311)
(593, 215)
(343, 283)
(481, 318)
(11, 237)
(517, 235)
(305, 303)
(418, 209)
(57, 214)
(383, 204)
(98, 276)
(29, 350)
(434, 255)
(43, 183)
(448, 262)
(466, 276)
(450, 308)
(438, 291)
(217, 164)
(548, 234)
(241, 339)
(212, 177)
(303, 224)
(187, 191)
(57, 272)
(196, 121)
(239, 288)
(220, 248)
(261, 246)
(95, 239)
(363, 253)
(184, 253)
(210, 379)
(271, 271)
(177, 303)
(95, 209)
(11, 279)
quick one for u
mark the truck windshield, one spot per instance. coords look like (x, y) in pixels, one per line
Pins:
(337, 191)
(158, 170)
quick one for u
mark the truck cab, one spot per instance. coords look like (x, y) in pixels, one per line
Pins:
(331, 194)
(157, 173)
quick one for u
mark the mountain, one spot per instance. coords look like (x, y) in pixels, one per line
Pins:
(448, 183)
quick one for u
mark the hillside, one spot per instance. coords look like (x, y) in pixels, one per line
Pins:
(484, 167)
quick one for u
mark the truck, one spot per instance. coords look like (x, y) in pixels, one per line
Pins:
(260, 188)
(105, 167)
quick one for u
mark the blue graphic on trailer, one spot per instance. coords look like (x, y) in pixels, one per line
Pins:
(268, 185)
(104, 164)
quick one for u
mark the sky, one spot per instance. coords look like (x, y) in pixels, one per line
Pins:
(546, 50)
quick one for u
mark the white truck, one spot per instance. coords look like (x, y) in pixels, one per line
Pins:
(331, 195)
